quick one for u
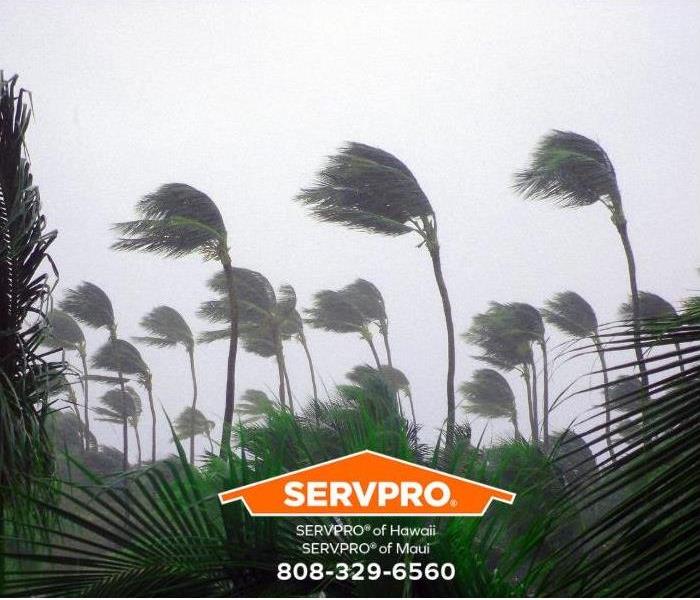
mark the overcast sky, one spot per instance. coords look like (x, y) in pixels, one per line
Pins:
(244, 99)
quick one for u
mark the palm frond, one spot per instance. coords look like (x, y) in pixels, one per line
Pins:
(366, 188)
(90, 305)
(395, 379)
(188, 424)
(367, 299)
(119, 356)
(333, 311)
(571, 314)
(175, 220)
(167, 327)
(63, 331)
(570, 169)
(117, 406)
(488, 394)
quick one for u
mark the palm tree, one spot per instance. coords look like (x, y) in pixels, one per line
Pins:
(366, 188)
(122, 408)
(656, 311)
(489, 395)
(167, 328)
(122, 357)
(394, 378)
(575, 171)
(507, 348)
(64, 332)
(571, 314)
(266, 319)
(254, 404)
(335, 311)
(178, 220)
(192, 422)
(91, 306)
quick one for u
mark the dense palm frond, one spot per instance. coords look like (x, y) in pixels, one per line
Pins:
(366, 188)
(488, 394)
(63, 332)
(651, 490)
(175, 220)
(571, 314)
(190, 423)
(365, 296)
(116, 407)
(167, 327)
(652, 307)
(395, 379)
(570, 169)
(25, 294)
(90, 305)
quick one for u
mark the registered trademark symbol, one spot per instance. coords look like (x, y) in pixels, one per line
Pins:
(368, 527)
(453, 502)
(373, 545)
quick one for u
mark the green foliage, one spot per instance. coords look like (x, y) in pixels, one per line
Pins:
(488, 395)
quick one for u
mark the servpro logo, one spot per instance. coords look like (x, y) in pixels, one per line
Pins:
(366, 483)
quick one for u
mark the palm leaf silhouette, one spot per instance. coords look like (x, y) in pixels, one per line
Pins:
(178, 220)
(123, 409)
(489, 395)
(369, 189)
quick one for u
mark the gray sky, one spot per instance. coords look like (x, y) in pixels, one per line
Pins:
(244, 99)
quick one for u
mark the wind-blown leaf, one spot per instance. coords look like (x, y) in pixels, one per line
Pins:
(90, 305)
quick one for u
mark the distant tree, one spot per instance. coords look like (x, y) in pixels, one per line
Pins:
(122, 357)
(395, 380)
(571, 314)
(123, 409)
(167, 328)
(178, 220)
(266, 319)
(192, 422)
(489, 395)
(574, 171)
(366, 188)
(657, 314)
(254, 404)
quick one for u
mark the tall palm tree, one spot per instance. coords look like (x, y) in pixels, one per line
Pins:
(366, 188)
(265, 318)
(178, 220)
(575, 171)
(335, 311)
(192, 422)
(167, 328)
(508, 349)
(571, 314)
(395, 379)
(489, 395)
(655, 311)
(91, 306)
(123, 409)
(122, 357)
(64, 332)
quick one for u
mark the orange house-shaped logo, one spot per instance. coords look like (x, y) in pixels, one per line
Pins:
(366, 483)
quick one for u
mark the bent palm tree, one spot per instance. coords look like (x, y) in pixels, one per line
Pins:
(64, 332)
(575, 171)
(192, 422)
(366, 188)
(123, 409)
(265, 318)
(334, 311)
(167, 328)
(658, 314)
(571, 314)
(489, 396)
(121, 357)
(394, 378)
(178, 220)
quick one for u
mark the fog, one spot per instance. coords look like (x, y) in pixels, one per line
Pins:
(243, 100)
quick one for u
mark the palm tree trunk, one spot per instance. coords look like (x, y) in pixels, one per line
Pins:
(434, 249)
(302, 339)
(232, 351)
(621, 225)
(125, 444)
(545, 396)
(528, 389)
(149, 390)
(211, 444)
(535, 402)
(138, 442)
(514, 420)
(86, 417)
(194, 402)
(289, 387)
(373, 348)
(280, 374)
(384, 328)
(606, 394)
(413, 411)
